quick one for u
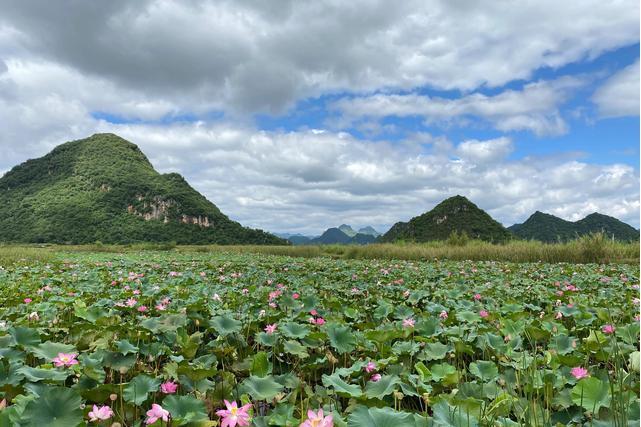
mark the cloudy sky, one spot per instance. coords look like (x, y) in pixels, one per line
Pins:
(296, 116)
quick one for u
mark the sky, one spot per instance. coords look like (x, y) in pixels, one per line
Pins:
(298, 116)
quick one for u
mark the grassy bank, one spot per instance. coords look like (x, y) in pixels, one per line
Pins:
(595, 248)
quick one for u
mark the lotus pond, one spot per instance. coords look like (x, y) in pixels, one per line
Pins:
(165, 339)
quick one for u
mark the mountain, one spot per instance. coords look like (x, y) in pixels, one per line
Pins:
(549, 228)
(369, 231)
(103, 188)
(454, 214)
(347, 229)
(299, 239)
(335, 236)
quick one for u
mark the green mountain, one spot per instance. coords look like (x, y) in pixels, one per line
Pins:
(369, 230)
(103, 188)
(335, 236)
(454, 214)
(347, 229)
(549, 228)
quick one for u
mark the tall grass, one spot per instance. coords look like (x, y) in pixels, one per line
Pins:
(594, 248)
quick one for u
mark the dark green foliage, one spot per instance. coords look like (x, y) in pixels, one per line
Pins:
(549, 228)
(456, 214)
(98, 189)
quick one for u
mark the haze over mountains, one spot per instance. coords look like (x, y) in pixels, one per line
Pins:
(103, 188)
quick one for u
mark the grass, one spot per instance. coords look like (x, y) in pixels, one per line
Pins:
(595, 248)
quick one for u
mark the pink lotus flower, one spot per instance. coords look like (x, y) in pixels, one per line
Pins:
(313, 312)
(234, 416)
(320, 321)
(608, 329)
(558, 315)
(270, 329)
(443, 315)
(169, 387)
(156, 413)
(317, 419)
(579, 372)
(100, 413)
(142, 308)
(173, 273)
(375, 378)
(483, 314)
(131, 302)
(161, 307)
(136, 292)
(27, 300)
(295, 295)
(245, 291)
(409, 323)
(370, 367)
(477, 297)
(64, 359)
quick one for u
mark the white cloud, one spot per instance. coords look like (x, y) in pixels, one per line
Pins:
(619, 95)
(534, 108)
(249, 56)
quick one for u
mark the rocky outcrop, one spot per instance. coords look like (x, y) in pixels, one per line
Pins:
(159, 209)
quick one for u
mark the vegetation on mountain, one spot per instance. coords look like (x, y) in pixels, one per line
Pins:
(103, 188)
(456, 214)
(549, 228)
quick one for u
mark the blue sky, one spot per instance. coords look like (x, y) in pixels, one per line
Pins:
(309, 115)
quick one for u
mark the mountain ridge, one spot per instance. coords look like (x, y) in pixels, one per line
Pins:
(103, 188)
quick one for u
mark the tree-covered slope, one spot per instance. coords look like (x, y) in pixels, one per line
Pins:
(549, 228)
(454, 214)
(103, 188)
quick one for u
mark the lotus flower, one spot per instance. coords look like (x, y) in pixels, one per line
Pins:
(608, 329)
(64, 359)
(316, 419)
(156, 413)
(409, 322)
(270, 329)
(579, 372)
(443, 315)
(168, 387)
(375, 378)
(483, 314)
(370, 367)
(27, 300)
(234, 416)
(101, 413)
(477, 297)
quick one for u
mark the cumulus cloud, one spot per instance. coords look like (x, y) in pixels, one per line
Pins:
(619, 95)
(254, 57)
(534, 108)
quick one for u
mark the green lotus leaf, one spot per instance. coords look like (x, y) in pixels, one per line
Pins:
(380, 417)
(225, 325)
(40, 374)
(268, 340)
(125, 347)
(25, 337)
(185, 409)
(435, 351)
(265, 388)
(341, 387)
(341, 338)
(139, 388)
(592, 394)
(484, 370)
(450, 416)
(260, 365)
(383, 387)
(54, 407)
(48, 350)
(295, 348)
(294, 330)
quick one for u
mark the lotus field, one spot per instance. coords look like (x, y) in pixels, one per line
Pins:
(168, 339)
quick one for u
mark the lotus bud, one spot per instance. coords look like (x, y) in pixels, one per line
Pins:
(197, 322)
(398, 395)
(113, 397)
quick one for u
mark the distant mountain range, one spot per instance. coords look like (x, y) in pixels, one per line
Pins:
(103, 188)
(549, 228)
(341, 235)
